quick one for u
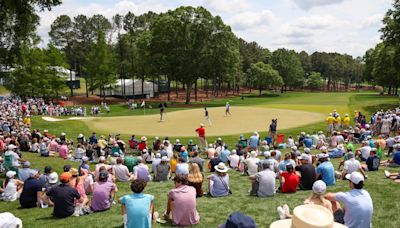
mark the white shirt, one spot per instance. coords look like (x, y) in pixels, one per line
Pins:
(351, 165)
(252, 165)
(365, 151)
(233, 160)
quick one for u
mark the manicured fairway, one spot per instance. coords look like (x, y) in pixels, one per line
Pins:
(183, 123)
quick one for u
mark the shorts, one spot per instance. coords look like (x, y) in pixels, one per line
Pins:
(339, 216)
(329, 128)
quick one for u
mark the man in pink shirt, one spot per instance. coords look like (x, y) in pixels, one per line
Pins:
(181, 207)
(63, 150)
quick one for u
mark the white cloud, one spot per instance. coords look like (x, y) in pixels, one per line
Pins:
(227, 6)
(251, 20)
(316, 22)
(372, 21)
(308, 4)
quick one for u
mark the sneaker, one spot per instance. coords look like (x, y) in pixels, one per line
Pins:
(286, 210)
(387, 173)
(42, 205)
(281, 213)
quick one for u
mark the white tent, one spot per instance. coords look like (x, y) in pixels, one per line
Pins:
(147, 88)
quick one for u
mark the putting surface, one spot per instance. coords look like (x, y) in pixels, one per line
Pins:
(183, 123)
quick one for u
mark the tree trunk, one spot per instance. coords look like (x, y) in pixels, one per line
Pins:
(390, 90)
(142, 83)
(188, 88)
(195, 91)
(70, 82)
(86, 89)
(133, 86)
(206, 87)
(260, 90)
(169, 89)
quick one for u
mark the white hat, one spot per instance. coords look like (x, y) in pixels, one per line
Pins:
(253, 154)
(221, 167)
(340, 147)
(369, 137)
(53, 178)
(177, 141)
(319, 187)
(294, 147)
(355, 177)
(201, 125)
(80, 135)
(164, 158)
(158, 155)
(33, 172)
(303, 157)
(307, 150)
(219, 139)
(11, 147)
(309, 216)
(102, 158)
(233, 151)
(63, 134)
(267, 154)
(45, 131)
(10, 174)
(143, 138)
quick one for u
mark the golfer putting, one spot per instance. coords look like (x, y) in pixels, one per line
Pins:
(207, 116)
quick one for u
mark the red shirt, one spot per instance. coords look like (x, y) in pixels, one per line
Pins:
(201, 131)
(291, 182)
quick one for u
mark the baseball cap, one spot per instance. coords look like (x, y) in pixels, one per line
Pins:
(103, 175)
(237, 219)
(307, 150)
(26, 164)
(267, 154)
(33, 172)
(53, 178)
(319, 187)
(66, 168)
(10, 174)
(303, 157)
(355, 177)
(65, 177)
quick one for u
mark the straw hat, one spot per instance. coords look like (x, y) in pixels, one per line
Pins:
(308, 216)
(143, 138)
(221, 167)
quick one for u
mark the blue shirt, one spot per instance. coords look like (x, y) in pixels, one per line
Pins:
(224, 155)
(327, 172)
(184, 154)
(138, 209)
(282, 165)
(220, 186)
(396, 157)
(358, 208)
(24, 174)
(253, 141)
(308, 142)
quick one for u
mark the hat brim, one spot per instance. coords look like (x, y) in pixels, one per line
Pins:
(287, 223)
(221, 170)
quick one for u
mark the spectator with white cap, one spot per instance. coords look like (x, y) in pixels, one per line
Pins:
(9, 220)
(316, 198)
(325, 170)
(358, 206)
(233, 160)
(13, 157)
(163, 170)
(12, 187)
(155, 161)
(252, 163)
(307, 172)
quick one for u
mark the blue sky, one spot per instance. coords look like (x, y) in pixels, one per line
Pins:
(344, 26)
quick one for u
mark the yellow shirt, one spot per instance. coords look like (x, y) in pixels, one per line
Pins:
(102, 143)
(330, 120)
(338, 120)
(27, 120)
(346, 120)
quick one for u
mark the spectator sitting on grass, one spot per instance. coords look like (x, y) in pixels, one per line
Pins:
(137, 208)
(196, 159)
(103, 193)
(163, 170)
(218, 182)
(289, 180)
(263, 182)
(181, 206)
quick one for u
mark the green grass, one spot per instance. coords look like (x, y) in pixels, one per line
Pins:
(3, 90)
(215, 211)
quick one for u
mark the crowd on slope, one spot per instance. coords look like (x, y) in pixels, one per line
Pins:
(83, 190)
